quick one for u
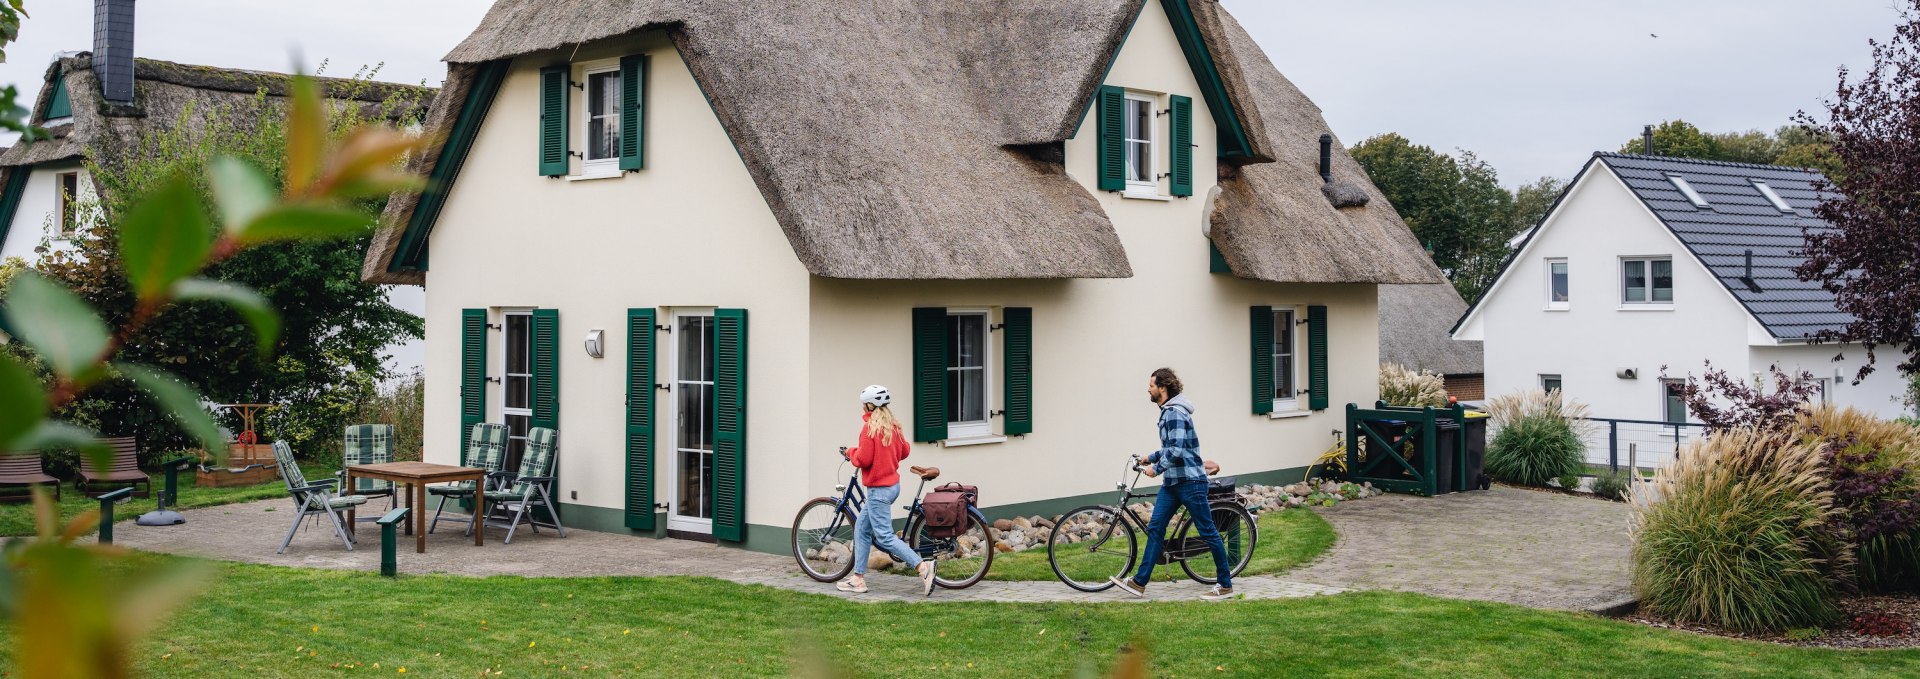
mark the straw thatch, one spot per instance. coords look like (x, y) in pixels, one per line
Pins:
(163, 92)
(861, 122)
(1416, 329)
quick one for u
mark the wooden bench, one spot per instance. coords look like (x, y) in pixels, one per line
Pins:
(24, 468)
(123, 469)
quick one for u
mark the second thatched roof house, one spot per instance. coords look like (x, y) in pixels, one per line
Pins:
(1008, 212)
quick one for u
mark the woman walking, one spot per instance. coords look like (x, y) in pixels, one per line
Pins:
(882, 447)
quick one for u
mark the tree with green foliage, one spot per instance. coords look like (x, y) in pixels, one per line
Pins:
(334, 327)
(1787, 146)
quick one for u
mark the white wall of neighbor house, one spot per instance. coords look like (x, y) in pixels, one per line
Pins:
(690, 230)
(1599, 223)
(1880, 393)
(38, 217)
(1095, 341)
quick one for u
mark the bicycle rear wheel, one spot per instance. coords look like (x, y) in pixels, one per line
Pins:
(958, 561)
(823, 539)
(1238, 532)
(1090, 546)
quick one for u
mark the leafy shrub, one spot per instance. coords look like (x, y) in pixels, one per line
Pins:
(1805, 633)
(1871, 465)
(1402, 386)
(1736, 534)
(1569, 481)
(1612, 485)
(1879, 624)
(1724, 402)
(1536, 436)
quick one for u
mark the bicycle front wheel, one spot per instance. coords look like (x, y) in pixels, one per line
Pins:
(958, 561)
(1238, 533)
(1090, 546)
(823, 539)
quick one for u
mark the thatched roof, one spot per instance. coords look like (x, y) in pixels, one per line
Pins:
(860, 122)
(1416, 329)
(163, 92)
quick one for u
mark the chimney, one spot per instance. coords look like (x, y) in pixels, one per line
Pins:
(1646, 141)
(1326, 158)
(113, 49)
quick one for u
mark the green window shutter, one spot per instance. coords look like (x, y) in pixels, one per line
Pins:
(640, 387)
(929, 374)
(473, 374)
(553, 120)
(546, 368)
(730, 425)
(1261, 320)
(1113, 138)
(1317, 357)
(1018, 335)
(1216, 262)
(1180, 145)
(59, 105)
(633, 111)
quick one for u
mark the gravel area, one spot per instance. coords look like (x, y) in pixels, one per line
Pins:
(1904, 607)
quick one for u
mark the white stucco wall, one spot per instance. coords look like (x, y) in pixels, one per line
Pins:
(35, 220)
(690, 230)
(1096, 341)
(1880, 393)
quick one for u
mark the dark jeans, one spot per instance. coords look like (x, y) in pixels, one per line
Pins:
(1192, 494)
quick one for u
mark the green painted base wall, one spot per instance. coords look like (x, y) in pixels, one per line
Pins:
(775, 539)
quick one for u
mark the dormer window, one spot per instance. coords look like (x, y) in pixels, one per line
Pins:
(1687, 190)
(1773, 197)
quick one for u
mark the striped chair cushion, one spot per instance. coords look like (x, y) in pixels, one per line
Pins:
(536, 461)
(486, 448)
(289, 468)
(370, 444)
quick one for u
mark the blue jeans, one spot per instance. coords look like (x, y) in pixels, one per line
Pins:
(1192, 494)
(874, 528)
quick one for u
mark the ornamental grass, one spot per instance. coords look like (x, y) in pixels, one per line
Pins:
(1538, 437)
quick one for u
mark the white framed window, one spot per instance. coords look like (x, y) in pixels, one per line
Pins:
(1550, 383)
(1557, 283)
(601, 122)
(1646, 280)
(969, 382)
(516, 370)
(1286, 361)
(1141, 141)
(1773, 196)
(67, 185)
(1686, 189)
(1673, 401)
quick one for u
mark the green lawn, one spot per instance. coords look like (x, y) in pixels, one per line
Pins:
(269, 621)
(1288, 538)
(16, 518)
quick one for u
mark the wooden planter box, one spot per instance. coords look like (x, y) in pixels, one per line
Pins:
(243, 468)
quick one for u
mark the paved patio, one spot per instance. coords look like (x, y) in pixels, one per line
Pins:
(1532, 548)
(1516, 546)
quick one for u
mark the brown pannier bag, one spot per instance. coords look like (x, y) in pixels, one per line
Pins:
(946, 509)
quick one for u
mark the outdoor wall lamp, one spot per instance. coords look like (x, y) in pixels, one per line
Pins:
(596, 343)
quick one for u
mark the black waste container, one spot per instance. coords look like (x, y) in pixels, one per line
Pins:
(1475, 462)
(1446, 442)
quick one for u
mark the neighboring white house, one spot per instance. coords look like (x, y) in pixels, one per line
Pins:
(1009, 213)
(1650, 262)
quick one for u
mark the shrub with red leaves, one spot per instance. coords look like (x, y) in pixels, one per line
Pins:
(1880, 624)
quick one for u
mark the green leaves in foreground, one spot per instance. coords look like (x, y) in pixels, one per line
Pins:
(250, 304)
(58, 324)
(26, 405)
(165, 238)
(181, 400)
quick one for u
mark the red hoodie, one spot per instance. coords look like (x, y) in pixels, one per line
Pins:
(879, 463)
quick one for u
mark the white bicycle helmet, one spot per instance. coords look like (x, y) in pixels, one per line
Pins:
(875, 395)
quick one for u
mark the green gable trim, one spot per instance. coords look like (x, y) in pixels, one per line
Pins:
(1216, 262)
(1233, 139)
(412, 253)
(10, 198)
(58, 106)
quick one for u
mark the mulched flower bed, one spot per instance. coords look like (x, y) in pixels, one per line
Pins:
(1893, 619)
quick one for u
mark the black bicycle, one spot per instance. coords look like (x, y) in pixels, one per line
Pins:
(823, 536)
(1094, 544)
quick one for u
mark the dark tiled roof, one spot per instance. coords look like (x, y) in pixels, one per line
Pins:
(1738, 219)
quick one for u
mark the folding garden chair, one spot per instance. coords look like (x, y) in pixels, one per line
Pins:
(369, 444)
(532, 489)
(312, 499)
(486, 449)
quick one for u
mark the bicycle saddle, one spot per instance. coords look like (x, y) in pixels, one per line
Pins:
(928, 473)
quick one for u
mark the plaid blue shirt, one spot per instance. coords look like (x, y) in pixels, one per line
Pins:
(1178, 458)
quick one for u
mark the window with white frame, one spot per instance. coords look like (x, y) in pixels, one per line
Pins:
(1646, 280)
(602, 117)
(1140, 142)
(1550, 383)
(517, 367)
(967, 376)
(68, 203)
(1557, 283)
(1673, 401)
(1286, 355)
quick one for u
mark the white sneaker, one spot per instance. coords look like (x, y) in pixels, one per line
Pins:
(1218, 593)
(926, 578)
(1127, 585)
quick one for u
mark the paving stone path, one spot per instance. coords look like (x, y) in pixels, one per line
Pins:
(1516, 546)
(1532, 548)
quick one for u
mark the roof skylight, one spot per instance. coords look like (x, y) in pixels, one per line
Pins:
(1773, 197)
(1687, 190)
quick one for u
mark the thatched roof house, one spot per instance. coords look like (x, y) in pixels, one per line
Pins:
(1416, 331)
(862, 129)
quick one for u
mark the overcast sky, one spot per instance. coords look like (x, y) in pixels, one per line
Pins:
(1533, 86)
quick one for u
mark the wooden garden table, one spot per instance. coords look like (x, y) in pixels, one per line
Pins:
(415, 476)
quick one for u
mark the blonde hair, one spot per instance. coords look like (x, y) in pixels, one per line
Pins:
(881, 424)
